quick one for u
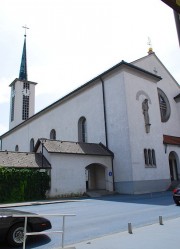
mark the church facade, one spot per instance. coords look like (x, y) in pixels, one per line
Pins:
(118, 132)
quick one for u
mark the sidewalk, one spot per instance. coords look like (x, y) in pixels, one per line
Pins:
(166, 236)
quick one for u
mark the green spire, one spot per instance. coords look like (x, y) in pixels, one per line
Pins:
(23, 67)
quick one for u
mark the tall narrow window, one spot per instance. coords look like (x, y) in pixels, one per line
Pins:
(82, 130)
(25, 109)
(16, 148)
(12, 102)
(150, 156)
(153, 157)
(31, 145)
(12, 108)
(53, 134)
(146, 157)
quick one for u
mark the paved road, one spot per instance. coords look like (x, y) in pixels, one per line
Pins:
(102, 216)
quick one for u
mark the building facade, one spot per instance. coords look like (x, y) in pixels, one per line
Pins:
(132, 110)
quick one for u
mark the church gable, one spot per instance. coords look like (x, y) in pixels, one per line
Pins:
(153, 64)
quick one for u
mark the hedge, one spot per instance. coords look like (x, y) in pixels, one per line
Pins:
(17, 185)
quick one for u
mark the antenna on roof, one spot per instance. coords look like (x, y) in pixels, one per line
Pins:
(150, 50)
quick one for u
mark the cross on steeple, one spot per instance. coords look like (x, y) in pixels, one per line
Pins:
(25, 27)
(150, 50)
(23, 67)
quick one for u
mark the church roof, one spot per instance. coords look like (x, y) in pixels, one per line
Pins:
(66, 147)
(171, 140)
(23, 160)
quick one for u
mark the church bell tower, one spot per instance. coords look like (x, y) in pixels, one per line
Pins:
(22, 94)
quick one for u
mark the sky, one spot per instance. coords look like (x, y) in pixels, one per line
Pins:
(69, 42)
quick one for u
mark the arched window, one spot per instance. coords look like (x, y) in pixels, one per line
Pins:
(53, 134)
(31, 144)
(82, 130)
(16, 148)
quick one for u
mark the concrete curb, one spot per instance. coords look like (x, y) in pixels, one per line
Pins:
(21, 204)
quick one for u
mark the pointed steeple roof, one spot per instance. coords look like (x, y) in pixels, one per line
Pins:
(23, 67)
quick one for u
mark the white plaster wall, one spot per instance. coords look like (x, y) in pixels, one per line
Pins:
(139, 139)
(117, 125)
(64, 119)
(32, 99)
(17, 105)
(178, 107)
(68, 173)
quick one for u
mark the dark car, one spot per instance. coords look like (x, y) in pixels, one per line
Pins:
(176, 195)
(12, 228)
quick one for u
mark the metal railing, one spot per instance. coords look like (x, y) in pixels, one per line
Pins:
(43, 232)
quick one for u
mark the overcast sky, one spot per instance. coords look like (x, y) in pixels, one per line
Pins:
(70, 42)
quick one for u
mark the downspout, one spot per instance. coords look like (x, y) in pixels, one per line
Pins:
(1, 143)
(112, 161)
(105, 127)
(104, 109)
(42, 155)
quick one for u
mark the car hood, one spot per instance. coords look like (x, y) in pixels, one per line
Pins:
(9, 212)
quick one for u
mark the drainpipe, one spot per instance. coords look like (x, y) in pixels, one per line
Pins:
(104, 109)
(42, 154)
(112, 159)
(1, 143)
(105, 125)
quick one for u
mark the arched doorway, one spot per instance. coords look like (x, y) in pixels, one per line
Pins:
(95, 177)
(174, 166)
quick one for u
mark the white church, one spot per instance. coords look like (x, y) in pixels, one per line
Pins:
(118, 132)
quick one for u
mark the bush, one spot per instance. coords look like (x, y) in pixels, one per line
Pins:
(18, 185)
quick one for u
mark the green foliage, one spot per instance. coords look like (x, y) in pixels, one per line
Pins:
(18, 185)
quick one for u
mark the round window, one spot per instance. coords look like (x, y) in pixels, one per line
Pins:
(164, 105)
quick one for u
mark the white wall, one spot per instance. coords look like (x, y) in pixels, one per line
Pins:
(139, 139)
(18, 104)
(117, 125)
(64, 119)
(68, 173)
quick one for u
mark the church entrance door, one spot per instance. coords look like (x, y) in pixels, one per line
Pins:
(173, 166)
(95, 177)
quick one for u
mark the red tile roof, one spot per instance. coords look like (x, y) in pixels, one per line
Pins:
(171, 140)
